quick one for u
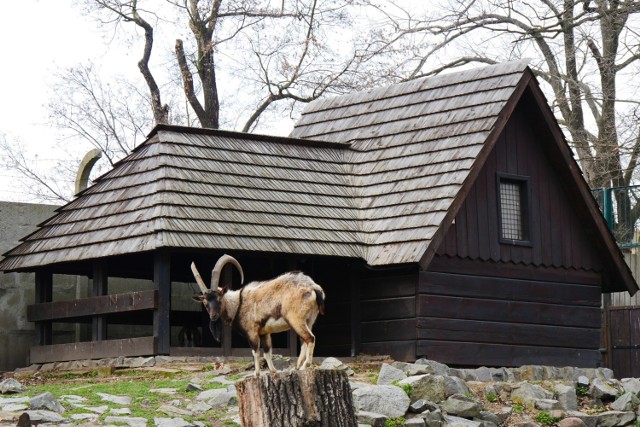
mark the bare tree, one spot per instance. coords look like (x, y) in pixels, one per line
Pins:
(583, 50)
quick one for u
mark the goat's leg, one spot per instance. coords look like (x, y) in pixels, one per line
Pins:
(254, 342)
(265, 343)
(309, 341)
(303, 354)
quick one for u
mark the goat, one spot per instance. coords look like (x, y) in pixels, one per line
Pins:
(290, 301)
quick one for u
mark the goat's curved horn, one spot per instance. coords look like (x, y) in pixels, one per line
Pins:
(199, 280)
(217, 269)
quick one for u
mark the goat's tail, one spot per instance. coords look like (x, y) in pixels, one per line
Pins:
(319, 299)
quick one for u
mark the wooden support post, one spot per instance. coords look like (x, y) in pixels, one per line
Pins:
(44, 293)
(161, 315)
(309, 398)
(356, 338)
(100, 288)
(226, 280)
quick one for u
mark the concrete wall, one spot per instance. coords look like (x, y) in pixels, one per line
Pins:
(17, 289)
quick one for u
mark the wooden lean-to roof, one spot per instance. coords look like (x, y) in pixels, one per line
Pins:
(377, 175)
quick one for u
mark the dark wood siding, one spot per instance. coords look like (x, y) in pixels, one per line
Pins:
(487, 302)
(557, 233)
(388, 312)
(467, 319)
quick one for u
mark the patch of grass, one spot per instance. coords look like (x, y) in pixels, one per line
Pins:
(394, 422)
(517, 408)
(133, 383)
(491, 397)
(408, 389)
(582, 390)
(546, 419)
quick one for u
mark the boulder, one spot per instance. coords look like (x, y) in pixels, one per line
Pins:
(40, 416)
(371, 418)
(528, 393)
(119, 400)
(46, 401)
(414, 422)
(631, 385)
(388, 400)
(626, 402)
(130, 421)
(418, 406)
(605, 389)
(433, 367)
(454, 385)
(11, 385)
(333, 363)
(428, 387)
(547, 404)
(571, 422)
(171, 422)
(451, 421)
(567, 397)
(615, 418)
(388, 375)
(461, 406)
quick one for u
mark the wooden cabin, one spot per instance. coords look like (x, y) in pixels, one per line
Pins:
(445, 217)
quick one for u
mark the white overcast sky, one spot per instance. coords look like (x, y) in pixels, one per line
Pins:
(37, 37)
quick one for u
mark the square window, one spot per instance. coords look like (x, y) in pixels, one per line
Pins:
(513, 208)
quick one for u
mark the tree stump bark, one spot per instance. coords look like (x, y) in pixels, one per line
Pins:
(309, 398)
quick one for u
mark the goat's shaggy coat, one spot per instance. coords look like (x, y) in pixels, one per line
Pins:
(290, 301)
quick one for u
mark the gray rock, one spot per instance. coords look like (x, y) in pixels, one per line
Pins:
(418, 406)
(222, 380)
(483, 374)
(8, 400)
(119, 411)
(414, 422)
(428, 387)
(631, 385)
(14, 407)
(46, 401)
(388, 400)
(85, 417)
(615, 418)
(371, 418)
(140, 362)
(571, 422)
(434, 367)
(567, 397)
(503, 414)
(627, 402)
(11, 385)
(194, 387)
(199, 407)
(547, 404)
(171, 422)
(490, 417)
(388, 374)
(357, 384)
(588, 420)
(280, 362)
(333, 363)
(97, 409)
(411, 369)
(43, 416)
(455, 385)
(119, 400)
(433, 418)
(528, 393)
(130, 421)
(451, 421)
(174, 410)
(604, 389)
(218, 398)
(583, 380)
(461, 406)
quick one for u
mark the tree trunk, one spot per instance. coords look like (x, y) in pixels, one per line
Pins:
(309, 398)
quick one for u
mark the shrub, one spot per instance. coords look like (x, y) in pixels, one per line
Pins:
(394, 422)
(546, 419)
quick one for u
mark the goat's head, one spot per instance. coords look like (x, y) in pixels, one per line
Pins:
(211, 297)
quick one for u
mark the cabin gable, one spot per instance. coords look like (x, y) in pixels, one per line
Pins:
(489, 300)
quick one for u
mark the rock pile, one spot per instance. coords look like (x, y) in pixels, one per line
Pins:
(424, 393)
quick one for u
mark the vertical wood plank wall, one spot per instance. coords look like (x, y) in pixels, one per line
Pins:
(484, 302)
(388, 313)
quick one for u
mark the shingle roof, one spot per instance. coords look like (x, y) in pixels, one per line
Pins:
(378, 187)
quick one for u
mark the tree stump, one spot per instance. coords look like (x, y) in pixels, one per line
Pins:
(309, 398)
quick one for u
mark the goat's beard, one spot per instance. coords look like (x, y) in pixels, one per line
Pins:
(215, 326)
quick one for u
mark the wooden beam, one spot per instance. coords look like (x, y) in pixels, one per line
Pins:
(162, 284)
(44, 294)
(115, 303)
(100, 288)
(143, 346)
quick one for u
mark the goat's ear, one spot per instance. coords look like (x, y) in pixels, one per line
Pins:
(198, 297)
